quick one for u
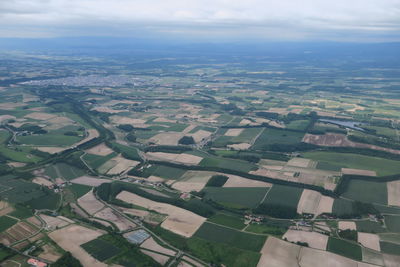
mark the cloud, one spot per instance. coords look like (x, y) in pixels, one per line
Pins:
(258, 19)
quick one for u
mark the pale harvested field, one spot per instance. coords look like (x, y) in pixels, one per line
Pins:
(315, 203)
(72, 237)
(393, 193)
(200, 135)
(299, 162)
(167, 138)
(245, 122)
(100, 150)
(341, 140)
(281, 111)
(6, 210)
(107, 110)
(155, 179)
(89, 203)
(237, 181)
(51, 149)
(180, 158)
(49, 253)
(109, 215)
(122, 165)
(42, 181)
(151, 244)
(240, 146)
(4, 204)
(161, 259)
(309, 257)
(343, 225)
(189, 128)
(6, 239)
(134, 212)
(391, 260)
(162, 119)
(234, 132)
(369, 240)
(54, 222)
(183, 264)
(40, 116)
(92, 133)
(90, 181)
(126, 120)
(16, 164)
(358, 172)
(7, 117)
(278, 253)
(35, 221)
(11, 106)
(193, 181)
(179, 221)
(314, 240)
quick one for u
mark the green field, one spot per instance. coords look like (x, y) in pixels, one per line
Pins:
(298, 125)
(127, 151)
(162, 171)
(242, 240)
(342, 207)
(236, 197)
(19, 154)
(49, 201)
(6, 222)
(63, 170)
(284, 195)
(344, 248)
(347, 160)
(228, 220)
(231, 164)
(20, 190)
(393, 223)
(368, 192)
(370, 227)
(101, 249)
(390, 248)
(266, 229)
(49, 140)
(95, 161)
(21, 212)
(275, 137)
(79, 189)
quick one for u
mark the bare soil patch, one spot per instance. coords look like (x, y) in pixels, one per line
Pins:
(166, 138)
(70, 238)
(109, 215)
(343, 225)
(313, 239)
(200, 135)
(393, 193)
(234, 132)
(151, 244)
(100, 150)
(237, 181)
(90, 181)
(340, 140)
(179, 221)
(278, 253)
(42, 181)
(40, 116)
(369, 240)
(49, 253)
(240, 146)
(180, 158)
(51, 149)
(54, 222)
(89, 203)
(358, 172)
(122, 165)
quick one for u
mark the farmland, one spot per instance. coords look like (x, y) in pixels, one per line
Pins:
(125, 159)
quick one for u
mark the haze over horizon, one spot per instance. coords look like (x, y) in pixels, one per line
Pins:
(195, 20)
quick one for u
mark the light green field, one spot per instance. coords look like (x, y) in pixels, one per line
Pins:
(347, 160)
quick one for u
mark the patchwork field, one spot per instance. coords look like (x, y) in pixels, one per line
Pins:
(179, 221)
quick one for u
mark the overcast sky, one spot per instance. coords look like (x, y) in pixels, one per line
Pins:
(339, 20)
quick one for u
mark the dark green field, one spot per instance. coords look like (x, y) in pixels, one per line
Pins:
(166, 172)
(79, 189)
(344, 248)
(6, 222)
(232, 164)
(228, 220)
(342, 207)
(369, 227)
(230, 237)
(390, 248)
(393, 223)
(95, 161)
(21, 212)
(368, 192)
(275, 136)
(236, 197)
(100, 249)
(284, 195)
(63, 170)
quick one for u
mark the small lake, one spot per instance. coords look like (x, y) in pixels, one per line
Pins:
(348, 124)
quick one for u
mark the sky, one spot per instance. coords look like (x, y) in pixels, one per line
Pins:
(212, 20)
